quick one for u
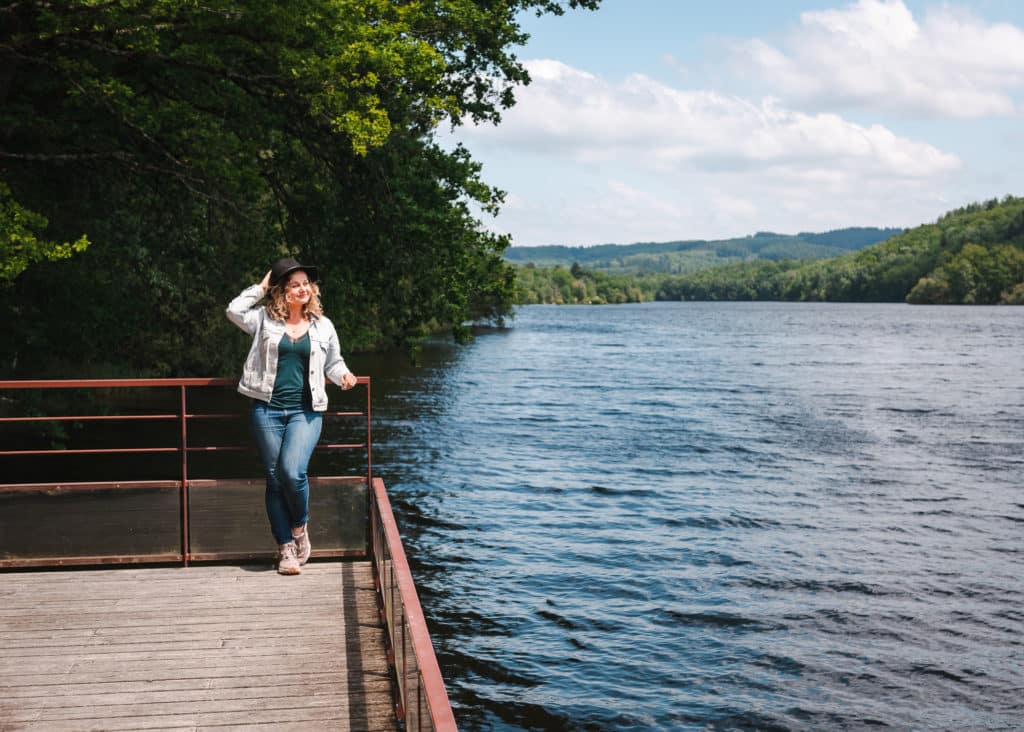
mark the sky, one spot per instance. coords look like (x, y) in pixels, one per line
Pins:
(662, 120)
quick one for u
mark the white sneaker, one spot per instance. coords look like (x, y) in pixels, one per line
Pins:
(288, 560)
(302, 546)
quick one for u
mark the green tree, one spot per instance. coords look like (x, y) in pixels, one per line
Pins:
(194, 143)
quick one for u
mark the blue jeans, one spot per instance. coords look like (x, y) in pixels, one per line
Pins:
(285, 439)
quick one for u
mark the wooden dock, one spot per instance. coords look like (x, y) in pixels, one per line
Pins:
(196, 648)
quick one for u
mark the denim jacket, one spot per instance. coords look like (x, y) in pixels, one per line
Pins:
(260, 369)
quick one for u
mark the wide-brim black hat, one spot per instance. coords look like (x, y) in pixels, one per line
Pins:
(284, 267)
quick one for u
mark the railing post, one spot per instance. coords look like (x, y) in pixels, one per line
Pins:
(369, 439)
(185, 547)
(369, 470)
(405, 667)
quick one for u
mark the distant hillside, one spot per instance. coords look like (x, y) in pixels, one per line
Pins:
(974, 254)
(680, 257)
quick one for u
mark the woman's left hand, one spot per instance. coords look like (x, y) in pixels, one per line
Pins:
(348, 380)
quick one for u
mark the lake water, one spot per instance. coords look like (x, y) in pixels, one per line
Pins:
(680, 516)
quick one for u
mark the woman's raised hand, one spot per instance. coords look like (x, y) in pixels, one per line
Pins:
(265, 284)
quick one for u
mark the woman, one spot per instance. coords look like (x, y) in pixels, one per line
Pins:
(294, 347)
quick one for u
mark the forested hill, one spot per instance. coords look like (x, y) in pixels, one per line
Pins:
(678, 257)
(974, 254)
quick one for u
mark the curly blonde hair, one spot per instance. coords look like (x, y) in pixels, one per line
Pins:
(277, 305)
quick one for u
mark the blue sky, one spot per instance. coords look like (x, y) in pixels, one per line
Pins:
(655, 120)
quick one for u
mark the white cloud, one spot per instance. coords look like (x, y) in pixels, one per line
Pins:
(649, 125)
(590, 158)
(875, 54)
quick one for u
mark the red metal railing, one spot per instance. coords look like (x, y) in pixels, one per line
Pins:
(420, 699)
(184, 448)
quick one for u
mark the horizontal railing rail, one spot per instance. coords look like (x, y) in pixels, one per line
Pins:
(421, 699)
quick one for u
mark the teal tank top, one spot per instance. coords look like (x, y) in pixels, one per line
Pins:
(291, 385)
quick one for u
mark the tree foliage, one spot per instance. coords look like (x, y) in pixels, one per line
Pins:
(194, 143)
(579, 286)
(20, 247)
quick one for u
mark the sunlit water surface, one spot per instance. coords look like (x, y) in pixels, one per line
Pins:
(736, 516)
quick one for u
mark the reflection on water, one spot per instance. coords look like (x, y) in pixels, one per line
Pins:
(750, 516)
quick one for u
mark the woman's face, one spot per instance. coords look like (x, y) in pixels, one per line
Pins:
(297, 289)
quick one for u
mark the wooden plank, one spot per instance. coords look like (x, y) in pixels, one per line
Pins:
(77, 617)
(87, 695)
(212, 679)
(315, 718)
(124, 686)
(193, 648)
(188, 666)
(221, 633)
(24, 595)
(272, 698)
(334, 658)
(145, 590)
(241, 627)
(17, 582)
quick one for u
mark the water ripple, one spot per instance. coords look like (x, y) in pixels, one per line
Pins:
(719, 516)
